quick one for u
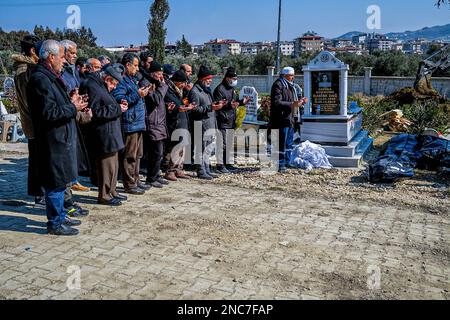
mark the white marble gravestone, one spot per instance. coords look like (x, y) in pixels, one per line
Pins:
(252, 106)
(326, 119)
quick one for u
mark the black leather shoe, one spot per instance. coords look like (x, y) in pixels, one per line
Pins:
(222, 170)
(155, 184)
(232, 168)
(204, 176)
(121, 197)
(114, 202)
(62, 230)
(213, 175)
(39, 202)
(144, 187)
(71, 222)
(162, 181)
(135, 191)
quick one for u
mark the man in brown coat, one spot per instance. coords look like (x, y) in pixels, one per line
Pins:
(23, 65)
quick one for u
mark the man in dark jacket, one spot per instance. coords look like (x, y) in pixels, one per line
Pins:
(71, 74)
(53, 115)
(156, 125)
(133, 124)
(204, 117)
(72, 81)
(284, 101)
(106, 130)
(226, 117)
(177, 119)
(24, 65)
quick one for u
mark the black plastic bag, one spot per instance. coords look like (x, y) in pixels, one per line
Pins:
(434, 153)
(406, 152)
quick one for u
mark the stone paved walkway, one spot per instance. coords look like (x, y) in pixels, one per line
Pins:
(195, 240)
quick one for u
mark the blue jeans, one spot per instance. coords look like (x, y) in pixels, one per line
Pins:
(55, 207)
(286, 142)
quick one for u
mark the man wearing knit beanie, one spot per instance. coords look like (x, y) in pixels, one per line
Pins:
(226, 117)
(204, 117)
(156, 125)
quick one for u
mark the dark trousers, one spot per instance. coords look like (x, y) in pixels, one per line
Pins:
(68, 196)
(155, 155)
(223, 158)
(132, 159)
(286, 142)
(34, 186)
(107, 170)
(56, 213)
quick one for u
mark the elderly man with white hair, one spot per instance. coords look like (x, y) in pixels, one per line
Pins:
(284, 103)
(71, 75)
(53, 116)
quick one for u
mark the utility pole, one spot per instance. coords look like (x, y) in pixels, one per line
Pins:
(278, 40)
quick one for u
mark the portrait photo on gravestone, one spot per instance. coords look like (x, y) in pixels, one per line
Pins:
(325, 93)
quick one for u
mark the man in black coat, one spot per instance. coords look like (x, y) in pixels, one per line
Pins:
(106, 130)
(284, 102)
(53, 116)
(226, 117)
(177, 119)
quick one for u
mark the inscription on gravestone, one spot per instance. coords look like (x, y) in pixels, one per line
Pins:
(325, 93)
(252, 106)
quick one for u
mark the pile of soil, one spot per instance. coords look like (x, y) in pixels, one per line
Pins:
(410, 96)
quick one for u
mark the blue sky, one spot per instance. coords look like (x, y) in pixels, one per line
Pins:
(121, 22)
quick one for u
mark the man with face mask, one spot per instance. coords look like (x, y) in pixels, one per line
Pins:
(204, 116)
(284, 103)
(226, 117)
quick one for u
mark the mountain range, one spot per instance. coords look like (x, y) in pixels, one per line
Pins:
(428, 33)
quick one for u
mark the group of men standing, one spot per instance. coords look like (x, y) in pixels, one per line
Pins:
(91, 117)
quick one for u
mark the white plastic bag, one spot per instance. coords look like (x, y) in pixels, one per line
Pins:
(308, 155)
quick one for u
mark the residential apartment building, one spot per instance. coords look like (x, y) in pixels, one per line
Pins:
(223, 48)
(379, 42)
(307, 43)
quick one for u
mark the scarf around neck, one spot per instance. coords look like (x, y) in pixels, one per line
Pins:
(291, 86)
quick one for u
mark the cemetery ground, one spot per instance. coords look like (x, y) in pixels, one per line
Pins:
(327, 234)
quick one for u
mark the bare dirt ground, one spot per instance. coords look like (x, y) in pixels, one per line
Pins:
(327, 234)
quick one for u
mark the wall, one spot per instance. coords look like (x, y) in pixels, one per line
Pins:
(377, 85)
(356, 84)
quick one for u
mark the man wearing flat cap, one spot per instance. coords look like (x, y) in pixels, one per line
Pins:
(226, 117)
(284, 103)
(106, 130)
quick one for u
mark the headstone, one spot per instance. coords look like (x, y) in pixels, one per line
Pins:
(8, 84)
(252, 106)
(328, 120)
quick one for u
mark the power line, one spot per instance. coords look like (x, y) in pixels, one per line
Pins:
(66, 3)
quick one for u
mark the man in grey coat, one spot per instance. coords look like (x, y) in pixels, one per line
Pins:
(156, 125)
(204, 115)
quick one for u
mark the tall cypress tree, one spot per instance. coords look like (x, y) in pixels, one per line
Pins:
(159, 12)
(184, 47)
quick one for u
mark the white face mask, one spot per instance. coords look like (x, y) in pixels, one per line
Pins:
(233, 83)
